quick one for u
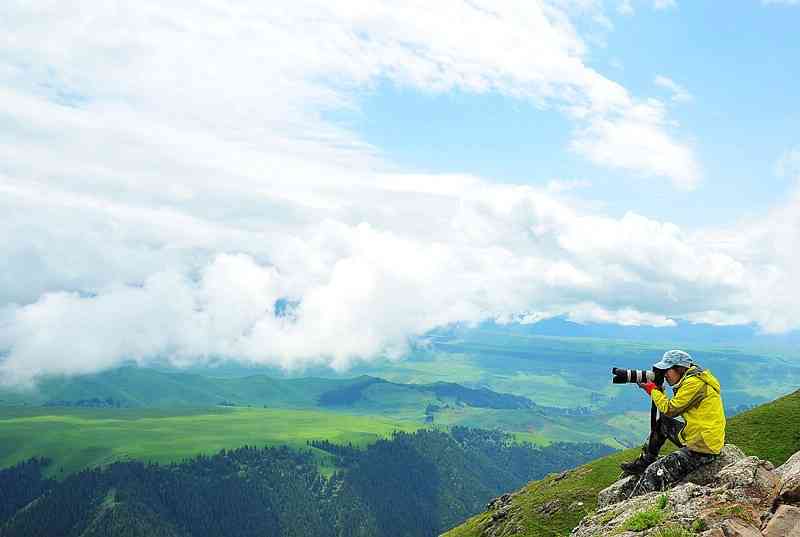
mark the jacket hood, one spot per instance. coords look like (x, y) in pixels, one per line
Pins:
(702, 374)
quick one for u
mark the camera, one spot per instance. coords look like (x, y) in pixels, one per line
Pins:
(624, 376)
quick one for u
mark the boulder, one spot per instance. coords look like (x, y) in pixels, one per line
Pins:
(737, 528)
(752, 475)
(616, 492)
(620, 490)
(785, 522)
(708, 472)
(791, 466)
(549, 508)
(734, 496)
(500, 501)
(790, 489)
(789, 474)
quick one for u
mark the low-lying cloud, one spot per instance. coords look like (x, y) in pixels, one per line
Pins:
(170, 188)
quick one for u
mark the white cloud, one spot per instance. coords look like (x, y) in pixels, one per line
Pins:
(168, 176)
(557, 186)
(679, 93)
(768, 247)
(593, 313)
(636, 141)
(784, 2)
(625, 7)
(464, 250)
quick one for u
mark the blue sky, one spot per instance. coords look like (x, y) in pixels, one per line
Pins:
(172, 173)
(739, 63)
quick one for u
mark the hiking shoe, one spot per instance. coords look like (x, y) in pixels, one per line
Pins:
(639, 465)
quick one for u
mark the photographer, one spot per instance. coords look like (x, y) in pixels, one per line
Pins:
(700, 437)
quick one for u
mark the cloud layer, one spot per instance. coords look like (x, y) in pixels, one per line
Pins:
(170, 188)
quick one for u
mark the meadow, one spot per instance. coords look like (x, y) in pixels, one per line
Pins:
(76, 437)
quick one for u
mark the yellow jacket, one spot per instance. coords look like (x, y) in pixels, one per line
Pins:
(697, 398)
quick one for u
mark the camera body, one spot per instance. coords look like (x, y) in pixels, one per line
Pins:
(625, 376)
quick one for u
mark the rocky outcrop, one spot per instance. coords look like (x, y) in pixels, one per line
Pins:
(736, 496)
(621, 490)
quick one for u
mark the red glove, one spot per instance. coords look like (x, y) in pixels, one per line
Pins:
(649, 387)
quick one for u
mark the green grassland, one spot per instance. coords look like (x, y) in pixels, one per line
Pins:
(76, 438)
(771, 432)
(618, 431)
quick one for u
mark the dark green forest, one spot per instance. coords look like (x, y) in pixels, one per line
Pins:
(412, 484)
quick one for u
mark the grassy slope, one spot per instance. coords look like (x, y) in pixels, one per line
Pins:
(75, 438)
(771, 431)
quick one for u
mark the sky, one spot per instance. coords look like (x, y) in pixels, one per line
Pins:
(315, 183)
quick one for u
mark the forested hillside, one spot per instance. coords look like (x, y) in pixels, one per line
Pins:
(413, 484)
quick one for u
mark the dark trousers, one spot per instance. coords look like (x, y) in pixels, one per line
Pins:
(672, 468)
(666, 429)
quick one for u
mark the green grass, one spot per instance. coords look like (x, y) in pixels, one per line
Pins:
(771, 431)
(675, 531)
(77, 438)
(644, 520)
(739, 511)
(542, 428)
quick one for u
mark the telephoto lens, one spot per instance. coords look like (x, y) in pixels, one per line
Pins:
(624, 376)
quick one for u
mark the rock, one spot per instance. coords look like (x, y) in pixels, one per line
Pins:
(734, 496)
(791, 466)
(501, 513)
(498, 502)
(708, 472)
(790, 489)
(704, 475)
(736, 528)
(548, 508)
(616, 492)
(752, 474)
(789, 473)
(785, 522)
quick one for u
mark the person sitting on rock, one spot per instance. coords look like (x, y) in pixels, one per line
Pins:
(700, 437)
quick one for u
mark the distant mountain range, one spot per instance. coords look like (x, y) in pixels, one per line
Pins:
(683, 332)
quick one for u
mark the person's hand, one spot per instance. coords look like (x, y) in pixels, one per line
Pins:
(647, 386)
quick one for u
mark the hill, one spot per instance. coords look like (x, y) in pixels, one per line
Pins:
(555, 505)
(140, 387)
